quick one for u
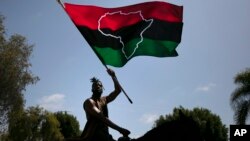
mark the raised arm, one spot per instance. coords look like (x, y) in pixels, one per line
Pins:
(117, 87)
(90, 108)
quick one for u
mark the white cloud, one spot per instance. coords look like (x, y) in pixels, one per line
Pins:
(149, 118)
(205, 88)
(52, 102)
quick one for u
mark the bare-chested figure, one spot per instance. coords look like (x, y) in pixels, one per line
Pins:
(96, 128)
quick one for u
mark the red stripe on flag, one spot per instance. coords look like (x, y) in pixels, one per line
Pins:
(87, 15)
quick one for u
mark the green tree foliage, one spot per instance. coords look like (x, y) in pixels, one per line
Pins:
(69, 125)
(24, 126)
(211, 127)
(35, 124)
(14, 74)
(240, 98)
(16, 123)
(50, 130)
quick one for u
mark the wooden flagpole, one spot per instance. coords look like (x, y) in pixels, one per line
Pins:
(59, 1)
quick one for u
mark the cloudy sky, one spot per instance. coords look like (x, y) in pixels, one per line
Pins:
(215, 47)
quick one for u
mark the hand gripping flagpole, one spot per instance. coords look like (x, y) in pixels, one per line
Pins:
(59, 1)
(119, 85)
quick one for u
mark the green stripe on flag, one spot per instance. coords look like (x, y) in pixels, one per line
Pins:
(148, 47)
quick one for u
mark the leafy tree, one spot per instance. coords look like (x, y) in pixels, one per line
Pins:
(240, 98)
(35, 124)
(14, 75)
(50, 129)
(24, 126)
(211, 127)
(16, 123)
(69, 125)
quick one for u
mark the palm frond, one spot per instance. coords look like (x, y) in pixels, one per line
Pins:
(243, 77)
(239, 95)
(241, 113)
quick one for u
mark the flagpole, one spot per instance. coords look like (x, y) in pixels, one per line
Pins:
(119, 85)
(59, 1)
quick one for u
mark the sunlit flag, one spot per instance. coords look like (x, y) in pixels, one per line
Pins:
(118, 34)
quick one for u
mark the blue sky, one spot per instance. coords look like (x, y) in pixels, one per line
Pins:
(215, 47)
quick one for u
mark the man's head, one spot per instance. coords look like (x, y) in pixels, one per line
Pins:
(97, 87)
